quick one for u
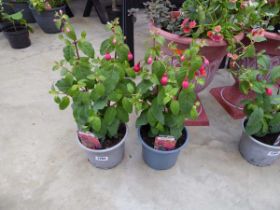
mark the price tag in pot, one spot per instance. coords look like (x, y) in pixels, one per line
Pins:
(89, 140)
(165, 142)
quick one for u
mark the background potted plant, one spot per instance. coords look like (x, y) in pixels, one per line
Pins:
(21, 6)
(44, 13)
(260, 19)
(167, 99)
(101, 92)
(16, 29)
(260, 141)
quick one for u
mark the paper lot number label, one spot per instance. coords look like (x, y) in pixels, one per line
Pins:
(101, 158)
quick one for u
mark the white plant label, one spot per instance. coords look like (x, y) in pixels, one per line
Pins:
(99, 158)
(272, 153)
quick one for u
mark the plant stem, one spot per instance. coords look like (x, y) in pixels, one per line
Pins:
(77, 50)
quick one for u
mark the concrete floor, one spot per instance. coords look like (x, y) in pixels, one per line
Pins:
(42, 167)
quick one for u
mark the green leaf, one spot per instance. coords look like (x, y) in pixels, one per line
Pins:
(122, 52)
(275, 74)
(254, 123)
(142, 119)
(274, 124)
(100, 104)
(158, 68)
(106, 47)
(157, 111)
(86, 48)
(68, 52)
(100, 89)
(259, 38)
(130, 88)
(64, 103)
(250, 51)
(96, 123)
(127, 105)
(113, 128)
(122, 114)
(110, 115)
(16, 16)
(144, 86)
(264, 61)
(175, 107)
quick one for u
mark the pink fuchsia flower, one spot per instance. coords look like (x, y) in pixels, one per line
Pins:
(202, 71)
(215, 36)
(186, 26)
(256, 32)
(192, 24)
(182, 58)
(185, 22)
(164, 80)
(217, 29)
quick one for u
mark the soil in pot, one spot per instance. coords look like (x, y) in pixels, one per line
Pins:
(110, 142)
(144, 130)
(268, 139)
(18, 36)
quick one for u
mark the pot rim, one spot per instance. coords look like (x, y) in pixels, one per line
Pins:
(15, 32)
(46, 11)
(272, 35)
(255, 140)
(188, 40)
(162, 151)
(107, 149)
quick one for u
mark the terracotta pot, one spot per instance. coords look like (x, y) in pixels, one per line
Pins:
(214, 51)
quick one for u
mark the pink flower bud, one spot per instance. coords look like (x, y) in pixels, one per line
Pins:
(60, 12)
(137, 67)
(182, 58)
(130, 56)
(107, 56)
(114, 41)
(206, 61)
(67, 30)
(185, 84)
(268, 91)
(164, 80)
(150, 60)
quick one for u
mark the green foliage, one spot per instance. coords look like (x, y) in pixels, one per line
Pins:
(164, 107)
(262, 110)
(100, 93)
(43, 5)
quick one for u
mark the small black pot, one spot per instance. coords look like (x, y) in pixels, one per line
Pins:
(45, 19)
(24, 7)
(4, 25)
(18, 39)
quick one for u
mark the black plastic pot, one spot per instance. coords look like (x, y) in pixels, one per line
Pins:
(24, 7)
(18, 38)
(4, 25)
(45, 19)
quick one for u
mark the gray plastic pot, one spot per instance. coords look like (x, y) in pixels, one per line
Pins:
(158, 159)
(256, 152)
(106, 158)
(45, 19)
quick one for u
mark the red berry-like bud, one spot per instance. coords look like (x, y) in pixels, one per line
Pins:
(182, 58)
(202, 71)
(107, 56)
(268, 91)
(185, 84)
(150, 60)
(164, 80)
(130, 56)
(137, 67)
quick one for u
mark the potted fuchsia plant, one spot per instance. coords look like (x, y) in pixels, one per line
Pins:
(101, 92)
(44, 12)
(215, 23)
(167, 99)
(260, 141)
(262, 23)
